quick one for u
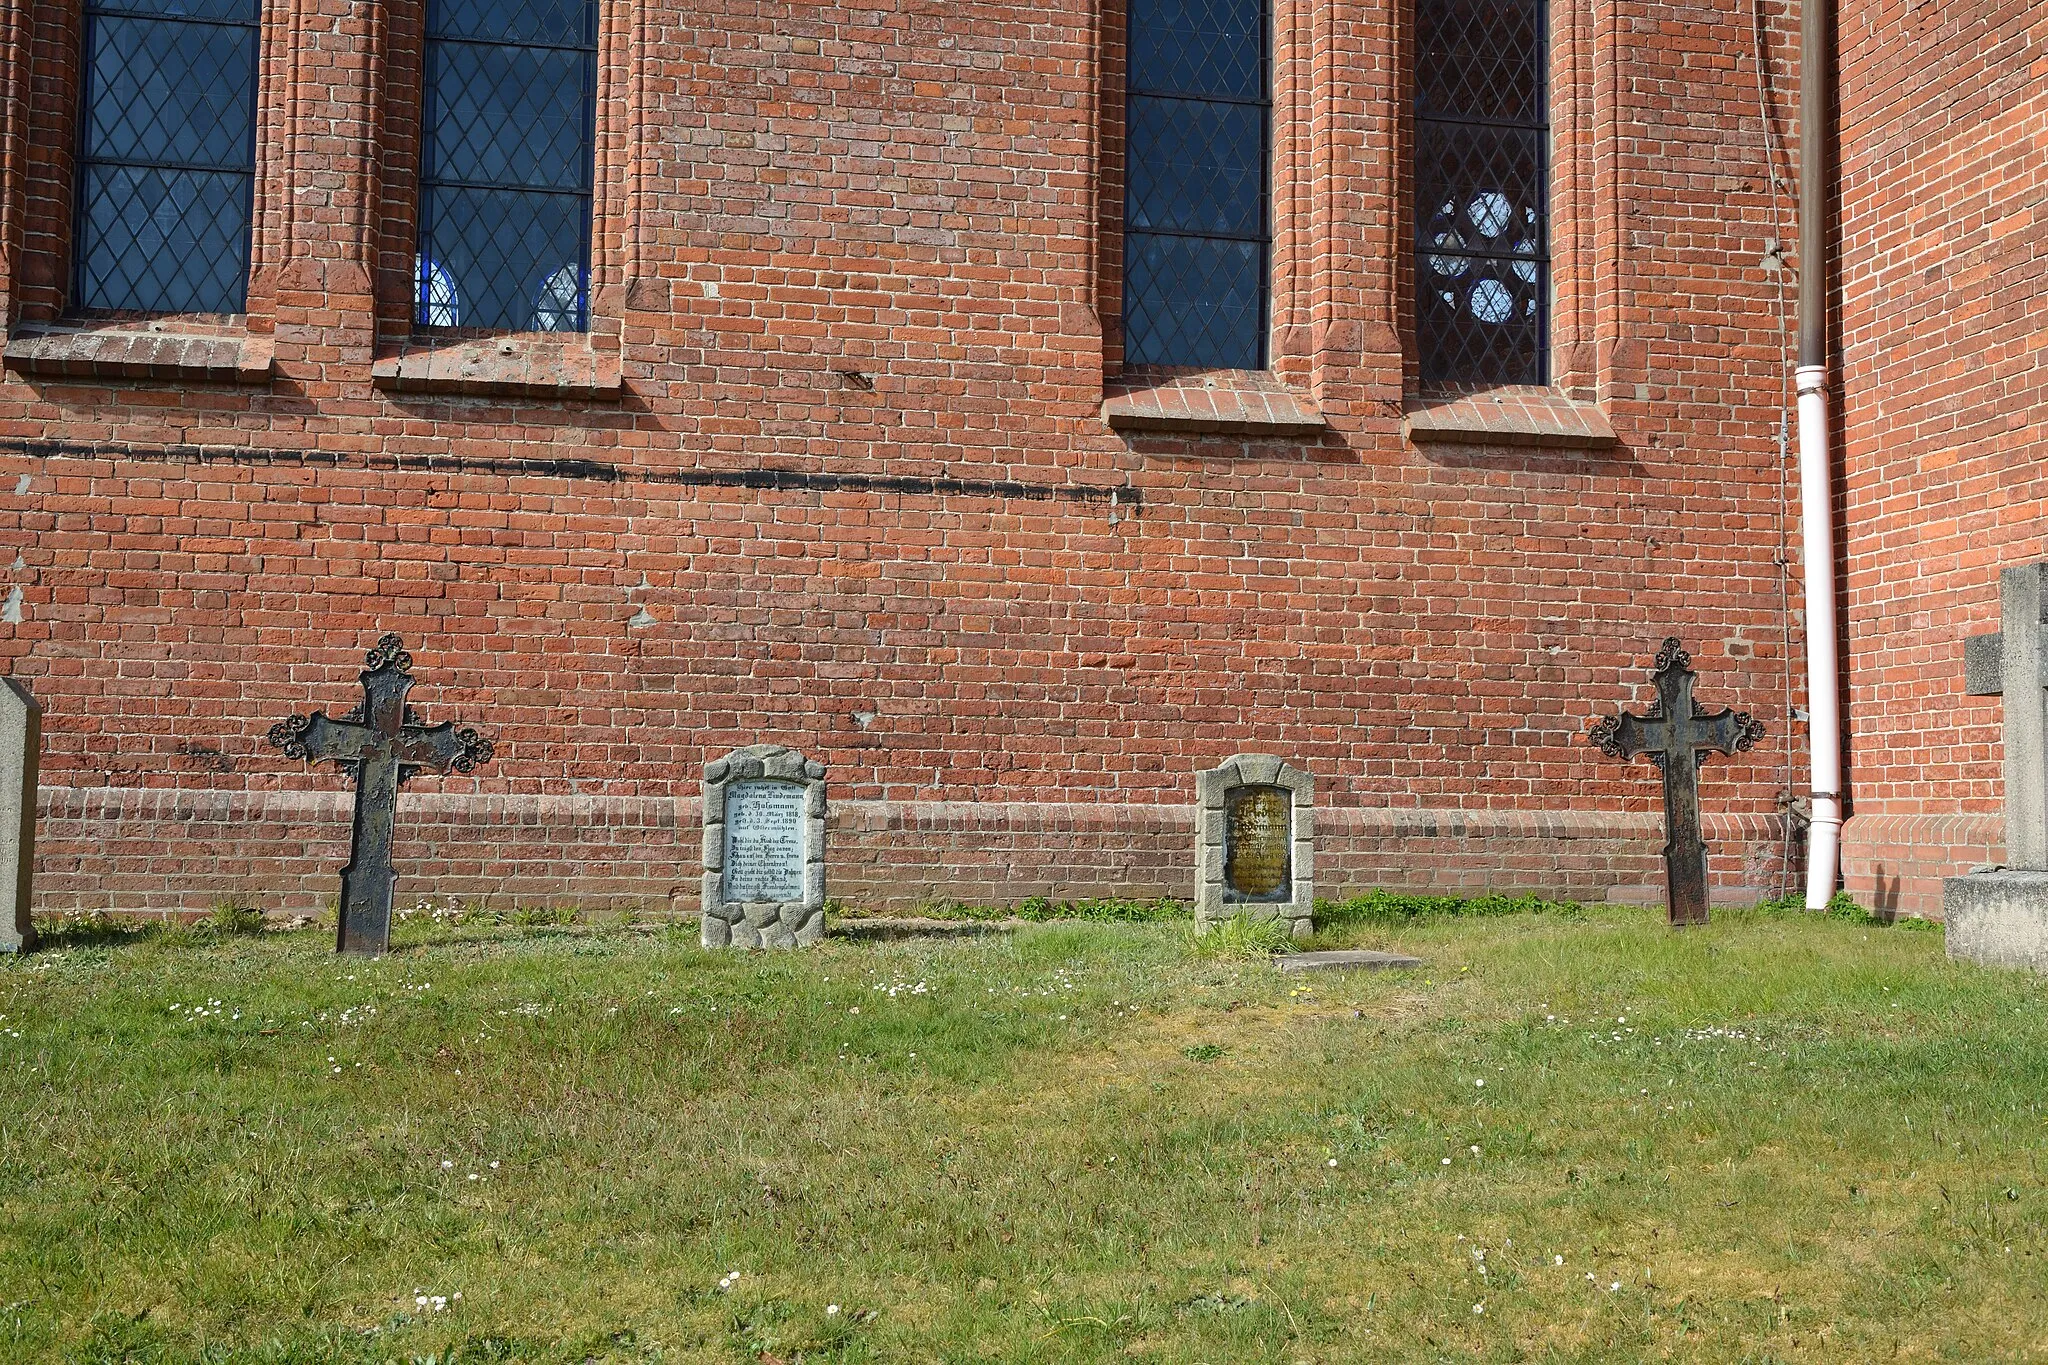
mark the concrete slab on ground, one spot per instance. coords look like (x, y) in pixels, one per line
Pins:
(1345, 960)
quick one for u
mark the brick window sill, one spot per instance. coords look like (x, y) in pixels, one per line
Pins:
(523, 366)
(130, 352)
(1508, 417)
(1209, 402)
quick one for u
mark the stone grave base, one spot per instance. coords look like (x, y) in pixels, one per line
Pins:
(1999, 919)
(762, 924)
(1345, 960)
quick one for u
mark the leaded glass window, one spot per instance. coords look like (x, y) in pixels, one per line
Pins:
(1482, 213)
(1197, 230)
(506, 165)
(166, 155)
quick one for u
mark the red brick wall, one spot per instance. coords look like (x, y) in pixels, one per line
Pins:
(924, 583)
(1944, 282)
(165, 851)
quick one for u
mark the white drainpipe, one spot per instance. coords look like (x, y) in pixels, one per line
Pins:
(1824, 727)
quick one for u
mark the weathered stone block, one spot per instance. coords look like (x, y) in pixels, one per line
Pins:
(1999, 919)
(21, 746)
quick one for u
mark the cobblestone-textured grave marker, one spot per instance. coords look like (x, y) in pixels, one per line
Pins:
(1255, 843)
(764, 849)
(381, 745)
(1673, 733)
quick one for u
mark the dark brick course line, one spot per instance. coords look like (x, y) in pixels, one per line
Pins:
(598, 471)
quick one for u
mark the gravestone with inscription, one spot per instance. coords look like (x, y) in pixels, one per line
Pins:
(764, 849)
(1255, 842)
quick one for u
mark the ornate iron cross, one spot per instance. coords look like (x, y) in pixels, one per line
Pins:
(381, 744)
(1673, 733)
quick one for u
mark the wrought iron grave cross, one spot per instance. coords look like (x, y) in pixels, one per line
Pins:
(382, 745)
(1673, 733)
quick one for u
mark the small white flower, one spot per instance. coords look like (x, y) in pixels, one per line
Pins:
(1480, 1083)
(1332, 1162)
(494, 1165)
(1447, 1161)
(1558, 1259)
(1612, 1287)
(1475, 1149)
(447, 1165)
(831, 1310)
(472, 1175)
(1478, 1308)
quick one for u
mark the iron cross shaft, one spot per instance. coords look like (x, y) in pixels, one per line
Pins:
(1675, 733)
(381, 745)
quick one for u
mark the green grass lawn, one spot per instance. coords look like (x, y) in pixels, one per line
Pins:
(1778, 1138)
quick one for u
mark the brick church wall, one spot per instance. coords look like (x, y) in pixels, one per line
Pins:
(1943, 284)
(832, 471)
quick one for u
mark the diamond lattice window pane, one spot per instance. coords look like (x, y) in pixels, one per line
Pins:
(1479, 59)
(233, 11)
(1479, 189)
(503, 253)
(1199, 47)
(170, 93)
(552, 23)
(506, 165)
(163, 241)
(1482, 275)
(510, 115)
(1197, 167)
(1481, 321)
(167, 141)
(1194, 301)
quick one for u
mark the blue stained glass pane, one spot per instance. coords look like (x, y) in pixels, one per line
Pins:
(1193, 301)
(552, 23)
(162, 240)
(1197, 167)
(511, 115)
(1199, 47)
(169, 92)
(504, 253)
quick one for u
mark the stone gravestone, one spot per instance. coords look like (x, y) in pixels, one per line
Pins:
(21, 746)
(1255, 842)
(764, 849)
(1999, 916)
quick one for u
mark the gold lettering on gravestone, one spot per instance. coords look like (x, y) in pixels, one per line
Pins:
(764, 841)
(1257, 833)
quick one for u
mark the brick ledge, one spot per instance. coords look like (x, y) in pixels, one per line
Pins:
(136, 353)
(1222, 402)
(524, 366)
(1508, 417)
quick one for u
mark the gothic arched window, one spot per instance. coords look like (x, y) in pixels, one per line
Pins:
(1197, 229)
(506, 163)
(1482, 265)
(167, 156)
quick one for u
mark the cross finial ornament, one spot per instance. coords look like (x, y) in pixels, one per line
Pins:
(1673, 733)
(381, 744)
